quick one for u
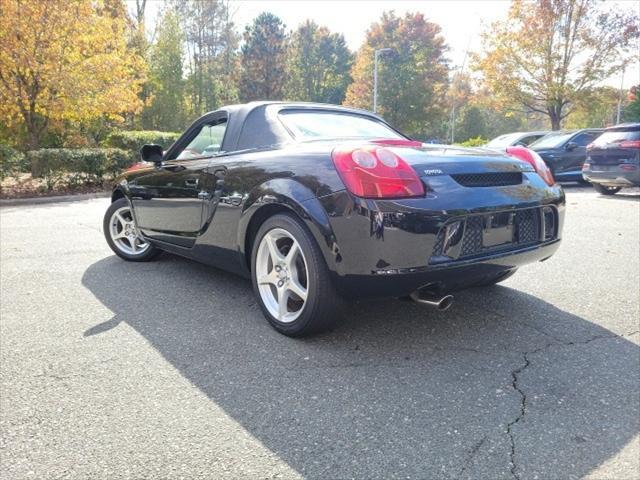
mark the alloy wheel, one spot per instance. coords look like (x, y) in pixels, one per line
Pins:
(124, 233)
(281, 274)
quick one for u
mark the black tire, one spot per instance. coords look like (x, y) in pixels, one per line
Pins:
(501, 277)
(323, 305)
(603, 190)
(149, 253)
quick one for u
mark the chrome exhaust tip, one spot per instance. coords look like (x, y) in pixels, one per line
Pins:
(439, 302)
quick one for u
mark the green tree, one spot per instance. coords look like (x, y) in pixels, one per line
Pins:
(165, 105)
(596, 108)
(319, 65)
(211, 44)
(263, 59)
(632, 109)
(472, 124)
(547, 54)
(413, 79)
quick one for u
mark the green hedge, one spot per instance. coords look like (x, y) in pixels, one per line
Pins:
(473, 142)
(12, 162)
(132, 141)
(76, 167)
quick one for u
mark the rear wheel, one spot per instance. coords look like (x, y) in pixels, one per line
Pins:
(291, 279)
(604, 190)
(123, 236)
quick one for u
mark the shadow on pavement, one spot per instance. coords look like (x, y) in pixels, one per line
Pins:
(395, 390)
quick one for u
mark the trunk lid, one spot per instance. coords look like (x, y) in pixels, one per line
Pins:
(469, 167)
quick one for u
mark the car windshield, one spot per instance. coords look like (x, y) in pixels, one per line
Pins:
(503, 140)
(616, 136)
(310, 125)
(552, 140)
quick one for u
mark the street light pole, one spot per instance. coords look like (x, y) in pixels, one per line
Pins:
(619, 97)
(376, 54)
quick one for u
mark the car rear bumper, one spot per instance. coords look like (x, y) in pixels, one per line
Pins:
(391, 248)
(442, 278)
(612, 175)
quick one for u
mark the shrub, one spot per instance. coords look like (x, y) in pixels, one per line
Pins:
(75, 167)
(12, 162)
(473, 142)
(132, 141)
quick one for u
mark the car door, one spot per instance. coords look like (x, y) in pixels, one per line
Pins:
(575, 152)
(168, 202)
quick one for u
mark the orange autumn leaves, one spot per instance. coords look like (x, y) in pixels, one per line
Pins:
(65, 60)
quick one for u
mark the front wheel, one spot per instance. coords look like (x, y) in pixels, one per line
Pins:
(604, 190)
(123, 236)
(291, 279)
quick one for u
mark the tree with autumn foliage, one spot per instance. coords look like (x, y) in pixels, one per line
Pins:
(318, 66)
(632, 110)
(413, 79)
(548, 54)
(165, 105)
(263, 59)
(64, 60)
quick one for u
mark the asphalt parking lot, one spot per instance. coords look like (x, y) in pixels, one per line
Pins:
(168, 370)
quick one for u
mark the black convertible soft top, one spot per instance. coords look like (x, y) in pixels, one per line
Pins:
(256, 125)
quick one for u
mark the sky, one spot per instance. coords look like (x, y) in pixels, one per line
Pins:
(461, 21)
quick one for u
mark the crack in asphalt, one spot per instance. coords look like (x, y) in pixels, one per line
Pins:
(523, 396)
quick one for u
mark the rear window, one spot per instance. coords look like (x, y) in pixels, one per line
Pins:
(503, 140)
(616, 136)
(316, 125)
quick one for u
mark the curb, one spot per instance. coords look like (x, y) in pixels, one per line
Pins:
(10, 202)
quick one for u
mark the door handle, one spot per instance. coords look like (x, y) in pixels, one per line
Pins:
(191, 182)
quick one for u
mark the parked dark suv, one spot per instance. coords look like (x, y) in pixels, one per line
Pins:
(565, 152)
(613, 159)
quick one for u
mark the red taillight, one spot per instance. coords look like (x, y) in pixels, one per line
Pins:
(627, 167)
(373, 172)
(532, 158)
(630, 144)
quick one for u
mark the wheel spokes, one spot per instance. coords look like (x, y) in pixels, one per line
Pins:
(269, 278)
(297, 288)
(283, 300)
(274, 252)
(281, 275)
(290, 259)
(121, 219)
(124, 233)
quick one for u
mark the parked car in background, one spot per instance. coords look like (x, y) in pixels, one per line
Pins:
(613, 159)
(517, 138)
(565, 151)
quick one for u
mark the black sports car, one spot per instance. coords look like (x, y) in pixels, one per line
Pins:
(318, 202)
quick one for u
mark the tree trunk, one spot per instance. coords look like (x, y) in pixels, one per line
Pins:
(555, 115)
(33, 143)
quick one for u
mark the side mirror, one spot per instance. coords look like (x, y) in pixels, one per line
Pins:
(571, 146)
(152, 153)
